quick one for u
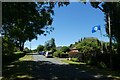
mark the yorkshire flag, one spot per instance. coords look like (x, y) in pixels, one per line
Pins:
(95, 28)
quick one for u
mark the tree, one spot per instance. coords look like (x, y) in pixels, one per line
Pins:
(33, 51)
(25, 21)
(22, 21)
(71, 45)
(26, 49)
(112, 19)
(113, 9)
(50, 44)
(65, 49)
(40, 48)
(7, 46)
(88, 46)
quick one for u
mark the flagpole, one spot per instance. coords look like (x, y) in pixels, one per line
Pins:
(110, 38)
(101, 40)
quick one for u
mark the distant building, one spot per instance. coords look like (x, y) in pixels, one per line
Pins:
(73, 52)
(59, 47)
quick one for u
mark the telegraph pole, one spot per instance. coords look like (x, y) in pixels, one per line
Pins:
(30, 46)
(110, 43)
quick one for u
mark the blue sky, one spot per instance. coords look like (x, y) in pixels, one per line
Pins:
(72, 23)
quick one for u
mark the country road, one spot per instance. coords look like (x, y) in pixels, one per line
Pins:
(43, 58)
(54, 68)
(42, 68)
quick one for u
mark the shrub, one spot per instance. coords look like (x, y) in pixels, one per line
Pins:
(57, 53)
(60, 54)
(99, 59)
(53, 50)
(12, 57)
(7, 46)
(40, 48)
(65, 49)
(116, 61)
(63, 55)
(101, 65)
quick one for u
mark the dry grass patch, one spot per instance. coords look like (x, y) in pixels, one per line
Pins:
(26, 58)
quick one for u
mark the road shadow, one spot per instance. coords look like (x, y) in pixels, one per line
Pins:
(45, 70)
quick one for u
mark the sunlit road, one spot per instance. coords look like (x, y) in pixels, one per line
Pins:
(43, 58)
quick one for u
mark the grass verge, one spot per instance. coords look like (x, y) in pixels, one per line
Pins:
(20, 69)
(26, 58)
(6, 59)
(94, 70)
(72, 62)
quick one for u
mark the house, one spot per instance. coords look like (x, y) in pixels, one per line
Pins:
(73, 53)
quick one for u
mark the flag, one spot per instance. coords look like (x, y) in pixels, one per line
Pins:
(95, 28)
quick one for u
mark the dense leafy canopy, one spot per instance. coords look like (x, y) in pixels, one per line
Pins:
(7, 46)
(40, 48)
(65, 49)
(112, 9)
(25, 21)
(89, 45)
(50, 44)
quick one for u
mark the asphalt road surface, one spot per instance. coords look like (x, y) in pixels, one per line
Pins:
(43, 58)
(54, 69)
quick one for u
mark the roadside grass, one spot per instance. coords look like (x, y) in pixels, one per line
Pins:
(19, 69)
(18, 52)
(74, 59)
(26, 58)
(94, 70)
(8, 58)
(72, 62)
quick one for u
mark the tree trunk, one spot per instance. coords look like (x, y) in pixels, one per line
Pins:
(21, 46)
(118, 48)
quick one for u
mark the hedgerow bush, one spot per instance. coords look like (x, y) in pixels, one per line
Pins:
(60, 54)
(57, 53)
(12, 57)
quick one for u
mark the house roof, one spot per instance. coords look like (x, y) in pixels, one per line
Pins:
(74, 51)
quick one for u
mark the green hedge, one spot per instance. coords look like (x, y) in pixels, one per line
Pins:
(12, 57)
(57, 53)
(64, 55)
(60, 54)
(103, 60)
